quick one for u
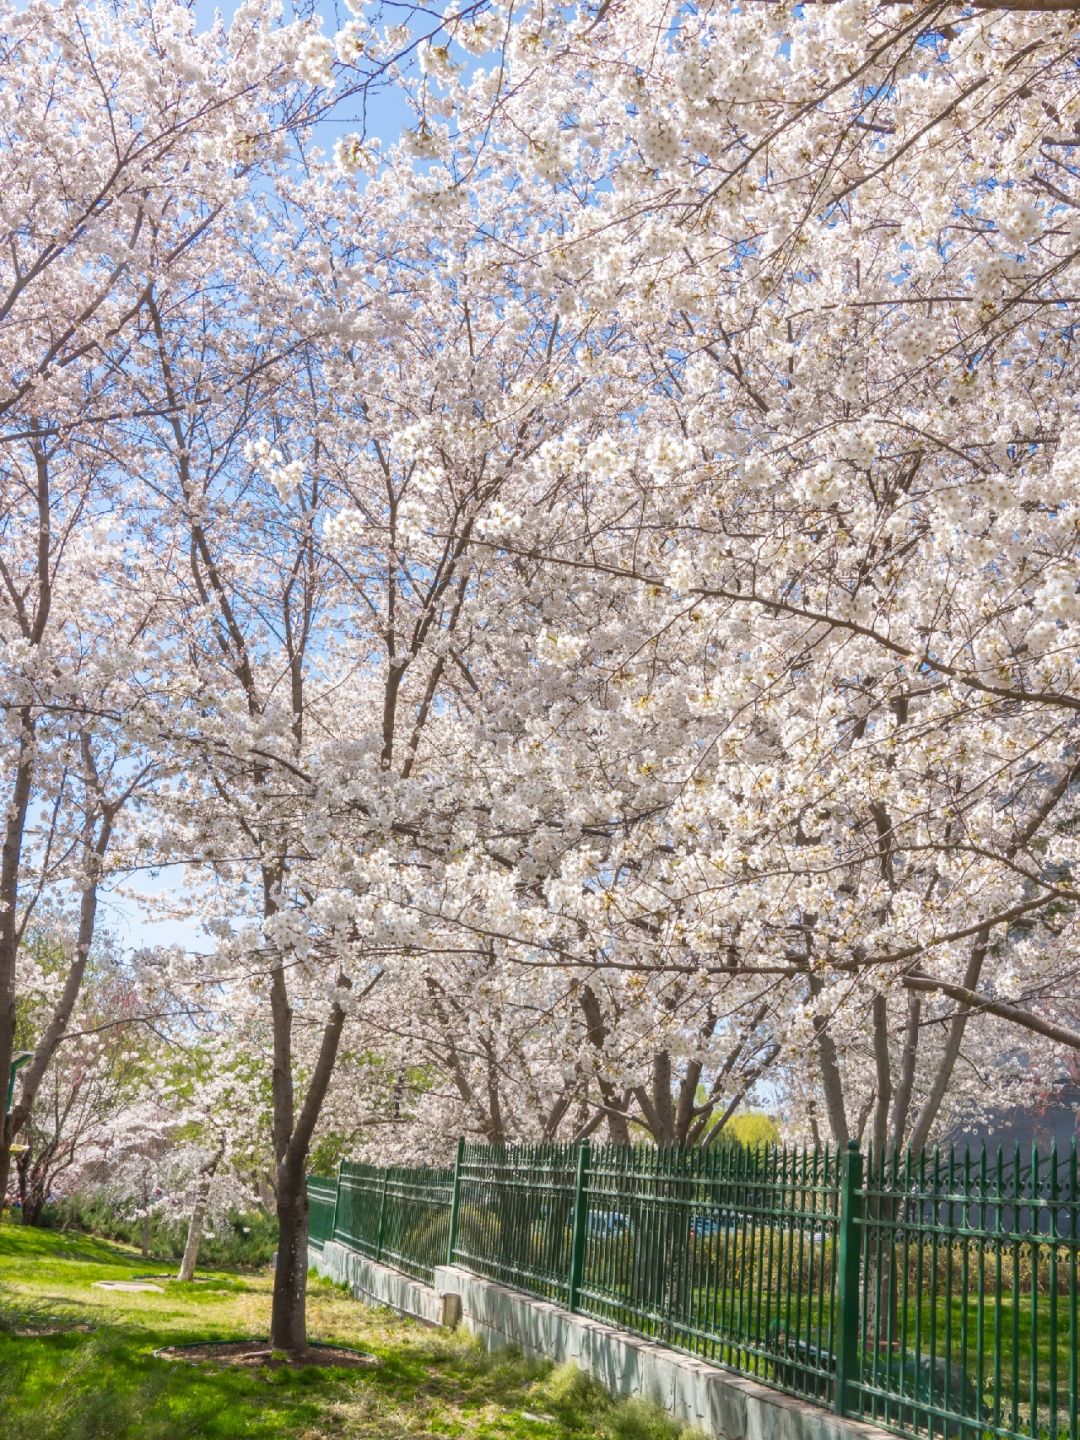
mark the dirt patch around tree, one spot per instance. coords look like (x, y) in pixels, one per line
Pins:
(255, 1353)
(174, 1279)
(35, 1332)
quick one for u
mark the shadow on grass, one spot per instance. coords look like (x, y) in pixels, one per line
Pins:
(78, 1388)
(88, 1370)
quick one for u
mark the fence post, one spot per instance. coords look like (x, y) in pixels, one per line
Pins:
(382, 1217)
(455, 1201)
(849, 1267)
(337, 1193)
(580, 1226)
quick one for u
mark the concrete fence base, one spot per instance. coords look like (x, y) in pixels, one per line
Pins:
(376, 1283)
(720, 1402)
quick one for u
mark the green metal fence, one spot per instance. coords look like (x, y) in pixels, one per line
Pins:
(725, 1253)
(515, 1213)
(322, 1200)
(969, 1322)
(397, 1214)
(935, 1295)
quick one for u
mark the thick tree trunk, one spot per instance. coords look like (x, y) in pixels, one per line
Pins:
(33, 1183)
(5, 1168)
(288, 1315)
(16, 811)
(95, 846)
(144, 1241)
(10, 859)
(618, 1120)
(292, 1139)
(32, 1207)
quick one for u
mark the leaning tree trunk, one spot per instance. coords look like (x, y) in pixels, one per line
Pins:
(198, 1216)
(288, 1314)
(194, 1233)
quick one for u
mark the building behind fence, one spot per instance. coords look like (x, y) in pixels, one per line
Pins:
(935, 1295)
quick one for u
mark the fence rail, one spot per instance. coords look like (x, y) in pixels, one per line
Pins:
(936, 1295)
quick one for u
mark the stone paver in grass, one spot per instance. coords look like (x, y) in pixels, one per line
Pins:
(132, 1285)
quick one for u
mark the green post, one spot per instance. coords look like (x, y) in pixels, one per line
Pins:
(337, 1195)
(847, 1282)
(382, 1217)
(16, 1065)
(580, 1226)
(455, 1201)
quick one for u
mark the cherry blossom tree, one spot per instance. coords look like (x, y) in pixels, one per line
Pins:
(584, 593)
(334, 600)
(837, 523)
(124, 138)
(95, 1071)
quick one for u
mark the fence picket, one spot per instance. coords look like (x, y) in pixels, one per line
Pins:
(580, 1226)
(849, 1253)
(455, 1202)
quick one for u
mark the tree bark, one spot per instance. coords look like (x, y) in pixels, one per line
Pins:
(16, 811)
(616, 1106)
(33, 1173)
(288, 1314)
(33, 1205)
(198, 1216)
(288, 1318)
(831, 1083)
(14, 831)
(95, 845)
(194, 1233)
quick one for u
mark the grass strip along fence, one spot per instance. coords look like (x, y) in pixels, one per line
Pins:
(936, 1295)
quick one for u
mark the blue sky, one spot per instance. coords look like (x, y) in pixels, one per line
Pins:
(131, 924)
(387, 113)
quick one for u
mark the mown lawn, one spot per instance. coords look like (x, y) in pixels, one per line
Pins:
(78, 1363)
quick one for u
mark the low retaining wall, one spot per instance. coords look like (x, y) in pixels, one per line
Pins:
(378, 1283)
(723, 1404)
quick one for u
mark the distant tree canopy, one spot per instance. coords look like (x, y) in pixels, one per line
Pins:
(753, 1128)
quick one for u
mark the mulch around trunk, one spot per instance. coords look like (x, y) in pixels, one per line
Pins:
(254, 1353)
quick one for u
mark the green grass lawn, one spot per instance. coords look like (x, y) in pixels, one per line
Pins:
(78, 1363)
